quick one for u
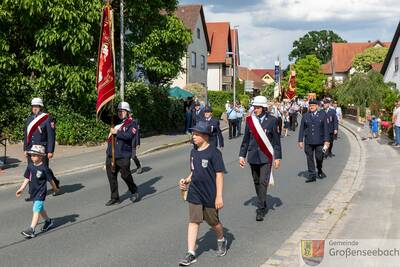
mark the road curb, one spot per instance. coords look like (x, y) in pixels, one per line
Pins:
(319, 224)
(98, 165)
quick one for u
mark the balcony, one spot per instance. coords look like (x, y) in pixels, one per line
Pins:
(228, 61)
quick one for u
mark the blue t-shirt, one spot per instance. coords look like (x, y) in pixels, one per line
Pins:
(38, 177)
(204, 166)
(375, 125)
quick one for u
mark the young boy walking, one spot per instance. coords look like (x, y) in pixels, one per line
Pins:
(204, 184)
(37, 175)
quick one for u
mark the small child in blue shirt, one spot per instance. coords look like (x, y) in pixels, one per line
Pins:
(37, 175)
(375, 127)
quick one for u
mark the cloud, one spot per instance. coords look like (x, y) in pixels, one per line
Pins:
(268, 28)
(223, 6)
(339, 14)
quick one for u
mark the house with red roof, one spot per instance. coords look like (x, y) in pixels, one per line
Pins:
(246, 74)
(221, 61)
(195, 61)
(340, 66)
(390, 69)
(267, 75)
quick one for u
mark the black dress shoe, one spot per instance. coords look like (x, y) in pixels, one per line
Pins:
(27, 199)
(260, 215)
(331, 155)
(112, 202)
(310, 180)
(321, 175)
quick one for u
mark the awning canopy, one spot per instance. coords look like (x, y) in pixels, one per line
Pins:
(178, 92)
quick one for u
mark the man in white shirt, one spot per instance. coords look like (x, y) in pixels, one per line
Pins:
(339, 113)
(396, 123)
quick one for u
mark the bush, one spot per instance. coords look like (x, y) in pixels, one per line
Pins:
(217, 112)
(244, 100)
(219, 98)
(156, 111)
(74, 129)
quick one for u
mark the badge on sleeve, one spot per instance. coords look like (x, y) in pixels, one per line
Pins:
(204, 163)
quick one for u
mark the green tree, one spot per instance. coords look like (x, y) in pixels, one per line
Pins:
(156, 40)
(366, 90)
(45, 50)
(268, 91)
(48, 48)
(362, 62)
(309, 77)
(318, 43)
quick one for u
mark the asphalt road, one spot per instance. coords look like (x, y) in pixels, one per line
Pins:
(153, 232)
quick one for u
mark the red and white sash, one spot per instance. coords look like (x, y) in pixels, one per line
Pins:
(119, 126)
(262, 141)
(33, 126)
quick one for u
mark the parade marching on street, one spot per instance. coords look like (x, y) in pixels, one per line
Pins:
(129, 232)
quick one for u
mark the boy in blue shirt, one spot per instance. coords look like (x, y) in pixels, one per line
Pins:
(37, 175)
(204, 184)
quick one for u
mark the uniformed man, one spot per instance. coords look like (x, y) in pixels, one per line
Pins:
(136, 145)
(260, 162)
(314, 138)
(40, 130)
(333, 125)
(198, 113)
(123, 133)
(216, 139)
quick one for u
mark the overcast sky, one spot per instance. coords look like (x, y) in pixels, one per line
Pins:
(267, 28)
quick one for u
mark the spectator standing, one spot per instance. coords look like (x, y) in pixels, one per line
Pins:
(232, 120)
(396, 123)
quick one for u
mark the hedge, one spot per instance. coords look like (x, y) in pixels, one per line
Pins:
(157, 113)
(219, 98)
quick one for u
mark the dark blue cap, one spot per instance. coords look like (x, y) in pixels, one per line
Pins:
(313, 101)
(207, 109)
(202, 127)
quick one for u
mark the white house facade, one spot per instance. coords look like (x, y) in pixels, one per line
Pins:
(390, 69)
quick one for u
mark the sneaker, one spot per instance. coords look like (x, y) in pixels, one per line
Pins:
(188, 260)
(134, 197)
(47, 225)
(222, 248)
(139, 170)
(28, 233)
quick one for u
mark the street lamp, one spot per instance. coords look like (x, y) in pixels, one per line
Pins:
(234, 53)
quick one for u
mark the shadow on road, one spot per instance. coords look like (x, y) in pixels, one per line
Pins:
(9, 163)
(145, 189)
(272, 202)
(303, 174)
(68, 188)
(59, 221)
(144, 169)
(209, 241)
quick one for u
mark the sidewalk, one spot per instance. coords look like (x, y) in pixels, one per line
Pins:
(374, 211)
(75, 159)
(363, 204)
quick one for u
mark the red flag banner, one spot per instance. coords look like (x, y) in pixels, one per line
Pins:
(105, 81)
(291, 92)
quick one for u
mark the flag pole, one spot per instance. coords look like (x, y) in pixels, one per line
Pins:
(122, 37)
(112, 101)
